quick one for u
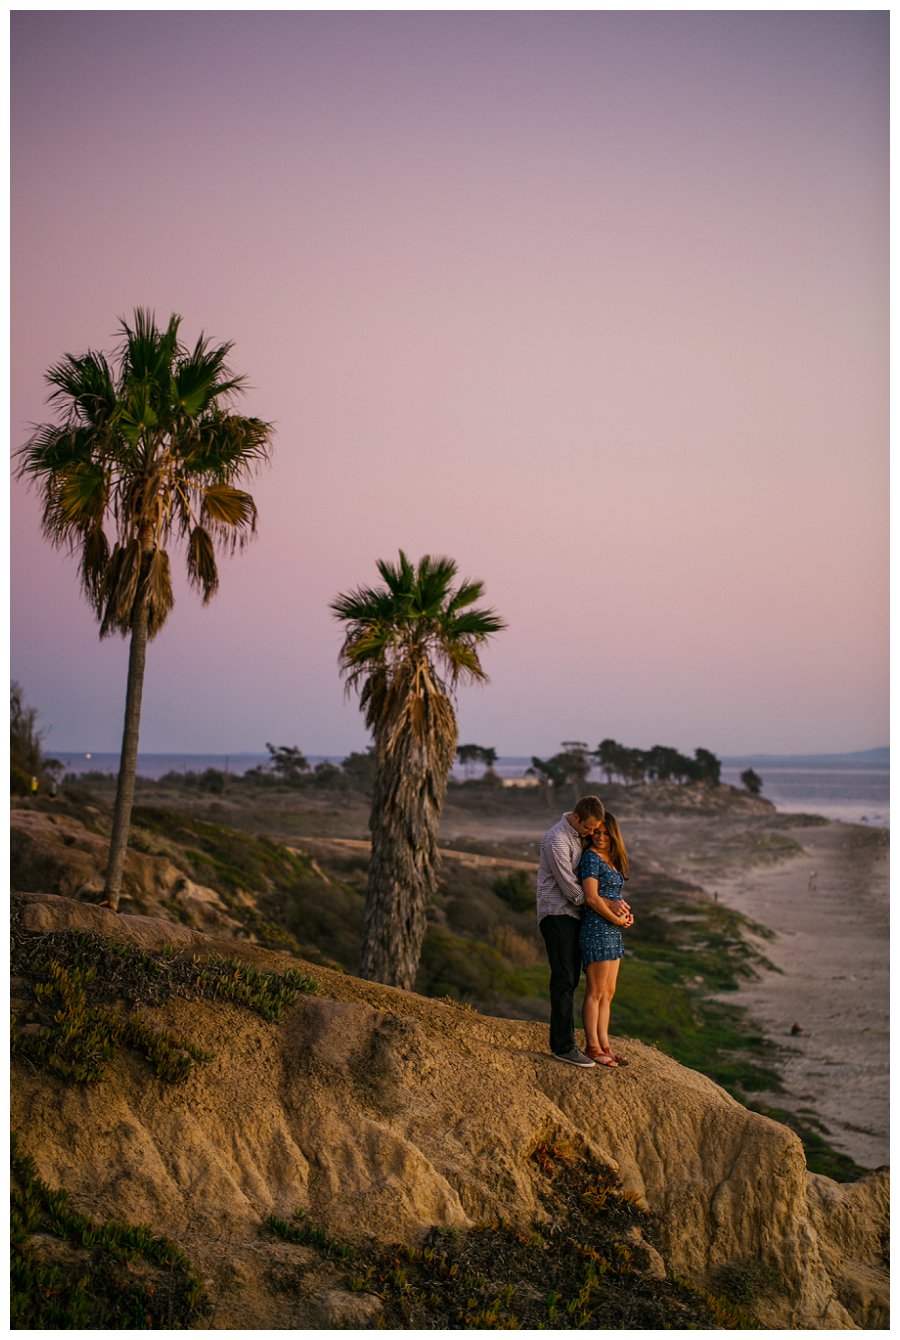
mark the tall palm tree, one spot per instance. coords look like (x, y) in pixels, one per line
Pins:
(406, 647)
(146, 448)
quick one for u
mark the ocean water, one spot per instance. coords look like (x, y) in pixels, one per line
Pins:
(849, 790)
(855, 793)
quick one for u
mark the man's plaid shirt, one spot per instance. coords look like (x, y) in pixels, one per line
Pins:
(559, 892)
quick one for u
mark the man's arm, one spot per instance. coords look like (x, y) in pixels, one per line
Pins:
(615, 910)
(559, 858)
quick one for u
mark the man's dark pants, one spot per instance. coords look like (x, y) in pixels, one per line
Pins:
(562, 938)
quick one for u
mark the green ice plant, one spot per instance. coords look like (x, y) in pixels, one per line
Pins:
(145, 453)
(108, 1276)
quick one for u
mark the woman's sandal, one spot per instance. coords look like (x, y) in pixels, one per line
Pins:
(600, 1057)
(619, 1060)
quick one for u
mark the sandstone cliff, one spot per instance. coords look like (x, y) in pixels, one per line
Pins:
(384, 1114)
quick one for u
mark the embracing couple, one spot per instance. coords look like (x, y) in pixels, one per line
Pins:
(581, 914)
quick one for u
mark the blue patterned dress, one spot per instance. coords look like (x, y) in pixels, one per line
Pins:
(601, 941)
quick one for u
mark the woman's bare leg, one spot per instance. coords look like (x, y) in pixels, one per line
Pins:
(606, 989)
(590, 1005)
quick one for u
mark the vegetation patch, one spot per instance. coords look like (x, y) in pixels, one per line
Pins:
(300, 1231)
(585, 1266)
(516, 889)
(679, 955)
(70, 1273)
(292, 904)
(66, 1034)
(236, 861)
(79, 999)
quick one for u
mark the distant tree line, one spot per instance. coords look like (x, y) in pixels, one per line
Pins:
(572, 765)
(287, 766)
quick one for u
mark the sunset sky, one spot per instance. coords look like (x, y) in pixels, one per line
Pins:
(594, 302)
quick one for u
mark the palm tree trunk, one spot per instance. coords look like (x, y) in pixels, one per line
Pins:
(395, 914)
(118, 844)
(401, 878)
(410, 785)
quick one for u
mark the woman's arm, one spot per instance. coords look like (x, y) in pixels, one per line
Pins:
(612, 909)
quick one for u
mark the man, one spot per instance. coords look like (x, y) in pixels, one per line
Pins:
(560, 900)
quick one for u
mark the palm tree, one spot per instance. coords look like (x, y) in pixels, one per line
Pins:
(407, 646)
(146, 448)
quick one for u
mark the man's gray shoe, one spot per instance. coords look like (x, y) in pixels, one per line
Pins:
(574, 1057)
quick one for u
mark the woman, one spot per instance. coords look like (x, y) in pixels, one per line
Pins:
(603, 871)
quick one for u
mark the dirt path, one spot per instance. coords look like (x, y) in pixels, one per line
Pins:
(465, 858)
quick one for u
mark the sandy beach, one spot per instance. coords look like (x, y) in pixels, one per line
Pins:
(829, 910)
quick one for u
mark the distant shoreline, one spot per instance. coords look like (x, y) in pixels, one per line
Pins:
(847, 791)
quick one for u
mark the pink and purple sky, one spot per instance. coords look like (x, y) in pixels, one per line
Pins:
(595, 302)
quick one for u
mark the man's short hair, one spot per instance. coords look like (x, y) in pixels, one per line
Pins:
(589, 807)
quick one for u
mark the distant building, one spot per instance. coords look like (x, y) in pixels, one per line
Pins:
(521, 781)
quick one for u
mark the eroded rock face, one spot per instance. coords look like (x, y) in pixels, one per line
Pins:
(50, 851)
(382, 1113)
(852, 1224)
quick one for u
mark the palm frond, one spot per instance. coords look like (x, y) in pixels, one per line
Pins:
(53, 447)
(362, 605)
(138, 413)
(230, 513)
(203, 572)
(93, 565)
(74, 495)
(147, 353)
(434, 576)
(463, 662)
(84, 385)
(203, 377)
(466, 594)
(368, 643)
(477, 623)
(221, 447)
(157, 590)
(81, 497)
(120, 587)
(399, 579)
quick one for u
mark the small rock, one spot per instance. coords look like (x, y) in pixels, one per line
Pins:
(655, 1265)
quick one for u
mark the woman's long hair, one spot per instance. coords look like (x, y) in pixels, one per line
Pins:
(618, 855)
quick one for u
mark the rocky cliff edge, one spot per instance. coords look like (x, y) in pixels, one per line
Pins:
(383, 1114)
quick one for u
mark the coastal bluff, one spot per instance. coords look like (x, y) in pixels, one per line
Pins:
(382, 1114)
